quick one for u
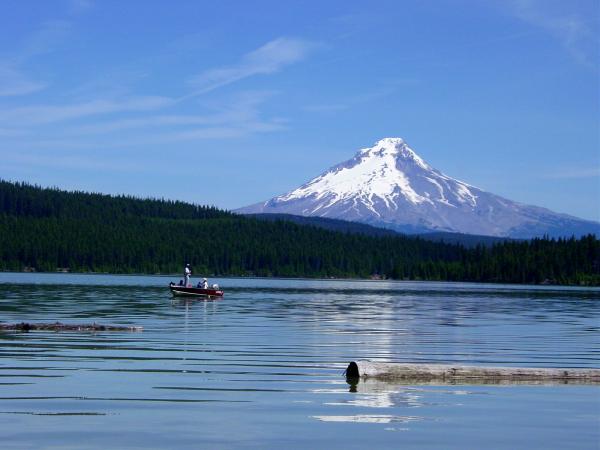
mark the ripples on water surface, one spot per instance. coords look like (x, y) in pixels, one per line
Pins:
(262, 368)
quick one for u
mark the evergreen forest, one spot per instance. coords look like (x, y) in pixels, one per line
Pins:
(47, 229)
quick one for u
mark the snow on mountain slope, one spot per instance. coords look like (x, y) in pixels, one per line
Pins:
(389, 185)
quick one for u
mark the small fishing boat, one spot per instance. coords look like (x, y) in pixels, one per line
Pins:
(183, 291)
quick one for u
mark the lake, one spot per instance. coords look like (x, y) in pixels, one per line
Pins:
(263, 367)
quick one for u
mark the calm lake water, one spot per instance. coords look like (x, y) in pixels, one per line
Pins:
(262, 368)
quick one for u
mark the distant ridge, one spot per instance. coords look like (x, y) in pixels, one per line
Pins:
(343, 226)
(468, 240)
(390, 186)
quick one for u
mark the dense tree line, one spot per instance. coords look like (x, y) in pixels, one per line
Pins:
(22, 199)
(48, 229)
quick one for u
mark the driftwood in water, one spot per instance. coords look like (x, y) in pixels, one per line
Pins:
(58, 326)
(471, 374)
(374, 385)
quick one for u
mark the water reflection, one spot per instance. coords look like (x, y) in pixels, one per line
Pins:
(369, 418)
(376, 394)
(273, 352)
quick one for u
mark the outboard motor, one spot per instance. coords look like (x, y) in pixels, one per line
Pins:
(215, 286)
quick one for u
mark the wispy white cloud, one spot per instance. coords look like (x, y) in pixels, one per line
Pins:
(240, 115)
(243, 107)
(80, 6)
(156, 136)
(13, 82)
(172, 120)
(571, 29)
(115, 82)
(45, 39)
(48, 37)
(234, 117)
(224, 132)
(13, 79)
(270, 58)
(89, 113)
(43, 114)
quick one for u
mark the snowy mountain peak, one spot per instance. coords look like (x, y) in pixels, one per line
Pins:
(389, 185)
(394, 147)
(376, 174)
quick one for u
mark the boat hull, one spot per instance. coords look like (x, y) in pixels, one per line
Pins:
(182, 291)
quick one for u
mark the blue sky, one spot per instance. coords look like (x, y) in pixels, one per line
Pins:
(233, 102)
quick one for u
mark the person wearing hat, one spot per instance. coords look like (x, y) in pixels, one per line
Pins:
(187, 273)
(204, 283)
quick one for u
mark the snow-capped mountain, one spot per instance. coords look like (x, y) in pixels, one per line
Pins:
(389, 185)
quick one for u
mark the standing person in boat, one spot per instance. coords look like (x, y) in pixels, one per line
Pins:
(204, 283)
(187, 273)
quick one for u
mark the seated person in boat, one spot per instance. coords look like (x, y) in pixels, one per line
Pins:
(202, 284)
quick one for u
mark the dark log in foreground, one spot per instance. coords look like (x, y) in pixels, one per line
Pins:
(375, 385)
(457, 373)
(58, 326)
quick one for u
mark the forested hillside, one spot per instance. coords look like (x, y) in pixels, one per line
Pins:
(468, 240)
(47, 229)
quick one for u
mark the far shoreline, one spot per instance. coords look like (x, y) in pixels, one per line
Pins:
(539, 286)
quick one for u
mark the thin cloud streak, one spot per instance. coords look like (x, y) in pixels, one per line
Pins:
(572, 30)
(242, 117)
(46, 39)
(244, 108)
(14, 83)
(225, 132)
(44, 114)
(27, 127)
(80, 6)
(268, 59)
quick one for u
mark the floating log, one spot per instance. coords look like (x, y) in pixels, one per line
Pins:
(448, 373)
(58, 326)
